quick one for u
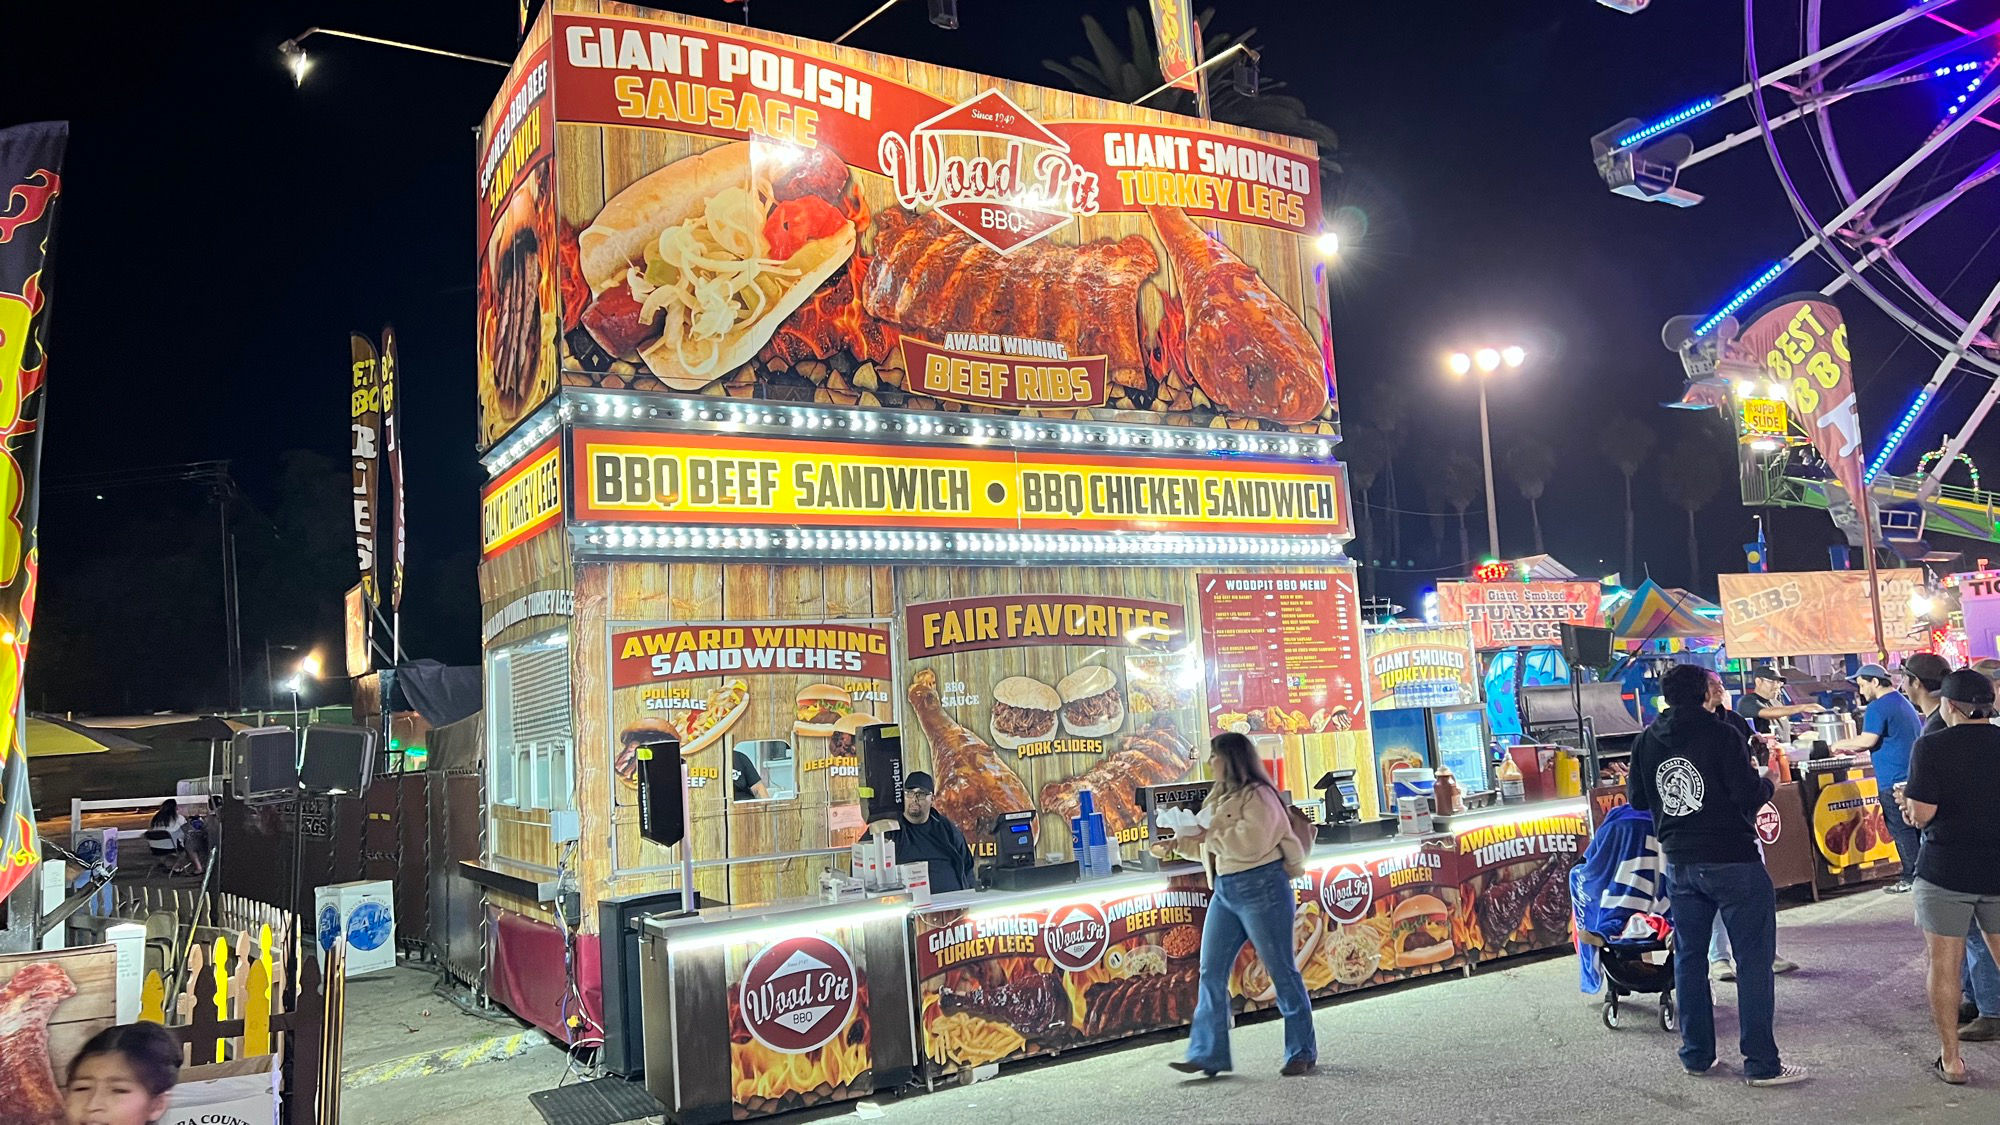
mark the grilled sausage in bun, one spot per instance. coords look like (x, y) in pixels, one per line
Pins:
(693, 267)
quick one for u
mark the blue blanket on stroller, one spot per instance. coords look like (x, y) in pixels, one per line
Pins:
(1623, 874)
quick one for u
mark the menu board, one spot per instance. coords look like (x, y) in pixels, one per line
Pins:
(1284, 652)
(1026, 700)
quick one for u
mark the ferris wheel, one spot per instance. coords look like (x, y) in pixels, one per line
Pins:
(1879, 119)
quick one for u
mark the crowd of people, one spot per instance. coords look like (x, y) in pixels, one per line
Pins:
(1700, 770)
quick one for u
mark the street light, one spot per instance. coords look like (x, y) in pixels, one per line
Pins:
(1488, 360)
(297, 63)
(1328, 244)
(309, 668)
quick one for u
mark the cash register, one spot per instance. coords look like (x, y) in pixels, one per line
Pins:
(1342, 823)
(1014, 867)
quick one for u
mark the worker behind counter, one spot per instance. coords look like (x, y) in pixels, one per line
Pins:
(922, 834)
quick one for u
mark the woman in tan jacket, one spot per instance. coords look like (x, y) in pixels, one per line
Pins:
(1251, 857)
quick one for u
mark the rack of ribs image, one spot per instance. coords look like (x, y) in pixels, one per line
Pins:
(1032, 1004)
(1248, 350)
(1154, 755)
(928, 277)
(28, 1093)
(974, 785)
(1136, 1003)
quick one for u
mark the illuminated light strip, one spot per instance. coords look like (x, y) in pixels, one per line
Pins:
(651, 410)
(1004, 546)
(1895, 439)
(1750, 291)
(1985, 69)
(1666, 123)
(809, 919)
(1931, 458)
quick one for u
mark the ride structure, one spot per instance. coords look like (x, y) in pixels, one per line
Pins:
(1890, 129)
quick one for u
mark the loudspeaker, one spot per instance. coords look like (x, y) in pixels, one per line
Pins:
(1586, 645)
(338, 759)
(265, 762)
(660, 782)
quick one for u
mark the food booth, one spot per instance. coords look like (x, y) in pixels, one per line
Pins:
(824, 392)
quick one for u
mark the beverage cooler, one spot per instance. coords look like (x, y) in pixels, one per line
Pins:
(1427, 738)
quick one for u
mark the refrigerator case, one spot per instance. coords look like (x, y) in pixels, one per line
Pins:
(1454, 736)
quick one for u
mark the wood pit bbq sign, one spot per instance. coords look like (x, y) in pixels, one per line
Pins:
(797, 994)
(1030, 192)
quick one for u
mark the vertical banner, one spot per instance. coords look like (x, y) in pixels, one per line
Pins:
(1178, 41)
(365, 421)
(1801, 342)
(392, 449)
(359, 659)
(31, 168)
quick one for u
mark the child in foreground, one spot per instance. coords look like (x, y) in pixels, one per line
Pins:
(122, 1076)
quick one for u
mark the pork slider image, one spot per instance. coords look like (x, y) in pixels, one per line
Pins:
(1024, 711)
(1092, 706)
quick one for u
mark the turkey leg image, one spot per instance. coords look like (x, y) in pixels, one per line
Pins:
(974, 785)
(1250, 353)
(28, 1094)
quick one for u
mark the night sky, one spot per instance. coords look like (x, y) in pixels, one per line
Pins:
(221, 232)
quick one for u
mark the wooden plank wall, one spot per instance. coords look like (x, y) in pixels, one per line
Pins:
(654, 594)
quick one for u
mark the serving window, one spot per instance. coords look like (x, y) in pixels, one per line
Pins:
(530, 744)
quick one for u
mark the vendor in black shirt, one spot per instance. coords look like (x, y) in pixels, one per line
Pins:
(1952, 794)
(1764, 707)
(743, 776)
(923, 835)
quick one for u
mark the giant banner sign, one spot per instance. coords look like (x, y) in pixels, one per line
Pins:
(637, 477)
(1421, 666)
(1504, 614)
(1816, 612)
(746, 214)
(31, 159)
(1801, 342)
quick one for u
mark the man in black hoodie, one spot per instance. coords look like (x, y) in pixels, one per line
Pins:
(1692, 771)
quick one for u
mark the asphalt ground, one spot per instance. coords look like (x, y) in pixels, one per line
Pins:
(1512, 1043)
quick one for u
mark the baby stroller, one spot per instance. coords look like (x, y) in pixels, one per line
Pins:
(1624, 941)
(1627, 972)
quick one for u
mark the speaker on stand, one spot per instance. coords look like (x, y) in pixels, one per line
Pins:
(1584, 646)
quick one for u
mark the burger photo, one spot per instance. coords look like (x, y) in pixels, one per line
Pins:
(1024, 711)
(1092, 706)
(820, 708)
(1420, 932)
(847, 730)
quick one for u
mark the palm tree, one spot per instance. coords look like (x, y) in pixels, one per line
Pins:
(1626, 442)
(1530, 462)
(1690, 476)
(1455, 484)
(1390, 407)
(1127, 73)
(1364, 451)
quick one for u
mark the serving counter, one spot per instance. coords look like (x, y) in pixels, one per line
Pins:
(821, 1003)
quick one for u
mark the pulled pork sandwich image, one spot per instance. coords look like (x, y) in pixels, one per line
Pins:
(1024, 711)
(1092, 706)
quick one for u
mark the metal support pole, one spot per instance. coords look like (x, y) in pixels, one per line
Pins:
(1486, 451)
(1928, 488)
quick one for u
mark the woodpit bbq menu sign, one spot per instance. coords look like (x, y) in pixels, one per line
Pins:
(748, 214)
(1284, 652)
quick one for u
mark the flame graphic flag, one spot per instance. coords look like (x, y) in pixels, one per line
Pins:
(31, 177)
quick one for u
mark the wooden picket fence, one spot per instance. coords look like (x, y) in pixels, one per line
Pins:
(231, 996)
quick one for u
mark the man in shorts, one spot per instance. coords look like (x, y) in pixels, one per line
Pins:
(1951, 793)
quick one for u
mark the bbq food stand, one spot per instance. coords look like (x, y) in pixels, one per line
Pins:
(817, 387)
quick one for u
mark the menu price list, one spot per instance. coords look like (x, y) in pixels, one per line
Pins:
(1284, 651)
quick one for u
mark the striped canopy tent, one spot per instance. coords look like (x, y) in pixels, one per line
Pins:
(1655, 612)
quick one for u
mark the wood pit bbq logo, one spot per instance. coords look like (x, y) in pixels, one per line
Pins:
(798, 994)
(1347, 893)
(1076, 937)
(1034, 189)
(1769, 824)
